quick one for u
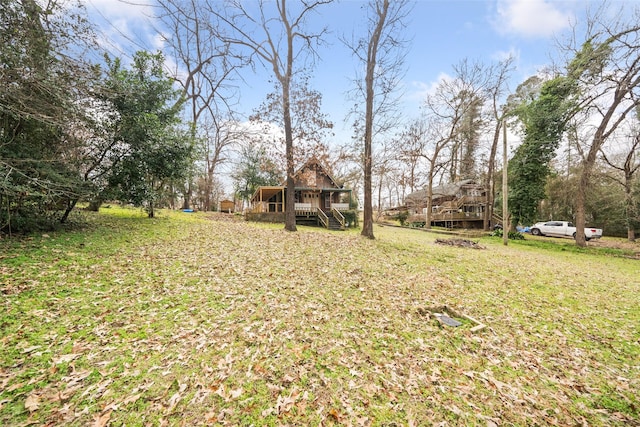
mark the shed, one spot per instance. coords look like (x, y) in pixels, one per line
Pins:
(227, 206)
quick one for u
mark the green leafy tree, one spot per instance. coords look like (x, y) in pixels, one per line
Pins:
(152, 150)
(544, 121)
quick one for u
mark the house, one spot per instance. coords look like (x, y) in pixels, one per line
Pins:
(455, 205)
(319, 200)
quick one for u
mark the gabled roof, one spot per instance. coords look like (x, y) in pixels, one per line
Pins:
(313, 161)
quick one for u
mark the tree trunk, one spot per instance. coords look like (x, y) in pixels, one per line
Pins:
(585, 178)
(488, 213)
(290, 202)
(506, 221)
(367, 222)
(379, 199)
(372, 54)
(580, 215)
(427, 223)
(630, 210)
(70, 206)
(186, 204)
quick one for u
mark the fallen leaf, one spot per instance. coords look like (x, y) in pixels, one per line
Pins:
(132, 399)
(173, 402)
(284, 404)
(333, 413)
(32, 403)
(103, 419)
(31, 349)
(66, 358)
(236, 393)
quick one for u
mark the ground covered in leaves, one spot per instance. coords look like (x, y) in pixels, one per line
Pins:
(189, 319)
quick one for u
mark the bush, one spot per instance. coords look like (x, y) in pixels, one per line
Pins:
(350, 218)
(513, 235)
(402, 217)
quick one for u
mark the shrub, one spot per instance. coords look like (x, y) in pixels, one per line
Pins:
(351, 218)
(513, 235)
(402, 217)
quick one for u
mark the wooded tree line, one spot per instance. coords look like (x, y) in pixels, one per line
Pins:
(141, 133)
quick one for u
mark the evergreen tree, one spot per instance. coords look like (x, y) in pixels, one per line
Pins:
(151, 149)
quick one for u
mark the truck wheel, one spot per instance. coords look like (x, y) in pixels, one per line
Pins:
(574, 236)
(536, 232)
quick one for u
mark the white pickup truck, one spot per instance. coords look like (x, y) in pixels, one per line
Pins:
(563, 229)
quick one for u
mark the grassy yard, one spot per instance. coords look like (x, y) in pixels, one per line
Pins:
(189, 319)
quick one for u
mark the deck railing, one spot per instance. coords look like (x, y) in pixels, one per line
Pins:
(340, 206)
(324, 219)
(305, 209)
(268, 207)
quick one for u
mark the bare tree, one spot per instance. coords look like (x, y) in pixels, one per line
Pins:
(607, 69)
(219, 136)
(444, 112)
(410, 146)
(278, 41)
(310, 126)
(205, 68)
(500, 73)
(627, 166)
(384, 167)
(382, 52)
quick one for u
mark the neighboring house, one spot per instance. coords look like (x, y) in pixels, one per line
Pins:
(456, 205)
(319, 200)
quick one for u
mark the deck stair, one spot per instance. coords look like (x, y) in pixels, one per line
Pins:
(334, 224)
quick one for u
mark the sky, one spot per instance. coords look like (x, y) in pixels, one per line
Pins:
(442, 33)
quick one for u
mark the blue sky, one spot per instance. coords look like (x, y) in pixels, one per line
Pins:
(443, 32)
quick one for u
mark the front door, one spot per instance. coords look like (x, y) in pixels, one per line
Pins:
(327, 201)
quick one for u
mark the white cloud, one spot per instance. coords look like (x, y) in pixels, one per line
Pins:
(424, 89)
(531, 18)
